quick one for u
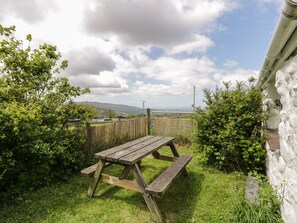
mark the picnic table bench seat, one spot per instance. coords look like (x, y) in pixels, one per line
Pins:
(89, 171)
(158, 187)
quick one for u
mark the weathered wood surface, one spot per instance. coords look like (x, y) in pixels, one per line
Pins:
(160, 184)
(173, 126)
(167, 158)
(174, 150)
(176, 154)
(100, 138)
(130, 155)
(149, 200)
(148, 116)
(157, 155)
(127, 184)
(125, 172)
(143, 152)
(89, 171)
(105, 153)
(131, 129)
(97, 176)
(130, 150)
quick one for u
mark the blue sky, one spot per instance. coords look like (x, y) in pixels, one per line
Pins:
(127, 51)
(248, 33)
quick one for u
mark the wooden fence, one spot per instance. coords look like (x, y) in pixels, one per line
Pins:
(101, 137)
(109, 135)
(181, 128)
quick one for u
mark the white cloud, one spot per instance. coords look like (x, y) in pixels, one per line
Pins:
(200, 44)
(152, 89)
(138, 55)
(108, 45)
(31, 11)
(110, 91)
(175, 76)
(204, 12)
(88, 60)
(172, 76)
(162, 23)
(177, 70)
(137, 22)
(230, 63)
(93, 81)
(239, 75)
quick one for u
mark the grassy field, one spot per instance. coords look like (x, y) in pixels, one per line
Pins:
(206, 195)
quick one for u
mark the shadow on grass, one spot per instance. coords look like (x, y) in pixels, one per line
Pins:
(180, 200)
(45, 203)
(176, 205)
(68, 201)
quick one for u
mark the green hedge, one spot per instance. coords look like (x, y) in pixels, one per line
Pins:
(228, 130)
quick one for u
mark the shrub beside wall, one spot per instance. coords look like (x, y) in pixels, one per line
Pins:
(228, 130)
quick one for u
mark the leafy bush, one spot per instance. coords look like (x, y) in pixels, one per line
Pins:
(228, 131)
(37, 145)
(265, 210)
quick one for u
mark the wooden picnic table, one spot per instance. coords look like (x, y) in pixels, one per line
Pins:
(129, 155)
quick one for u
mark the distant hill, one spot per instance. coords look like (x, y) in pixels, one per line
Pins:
(120, 109)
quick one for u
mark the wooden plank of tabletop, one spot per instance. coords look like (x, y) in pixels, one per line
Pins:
(139, 154)
(107, 152)
(114, 157)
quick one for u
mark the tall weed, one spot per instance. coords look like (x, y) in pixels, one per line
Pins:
(265, 210)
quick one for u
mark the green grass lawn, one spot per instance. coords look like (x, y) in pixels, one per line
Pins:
(206, 195)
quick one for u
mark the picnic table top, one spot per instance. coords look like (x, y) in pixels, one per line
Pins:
(132, 152)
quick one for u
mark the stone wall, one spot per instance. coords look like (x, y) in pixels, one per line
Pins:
(282, 162)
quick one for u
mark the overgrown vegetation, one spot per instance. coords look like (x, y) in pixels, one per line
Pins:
(37, 146)
(228, 130)
(205, 196)
(265, 210)
(182, 140)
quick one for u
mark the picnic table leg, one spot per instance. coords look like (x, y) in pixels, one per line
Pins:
(139, 164)
(125, 172)
(176, 154)
(97, 176)
(149, 200)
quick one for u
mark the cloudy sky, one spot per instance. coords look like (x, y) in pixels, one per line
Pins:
(127, 51)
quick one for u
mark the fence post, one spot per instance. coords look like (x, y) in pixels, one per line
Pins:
(148, 116)
(89, 139)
